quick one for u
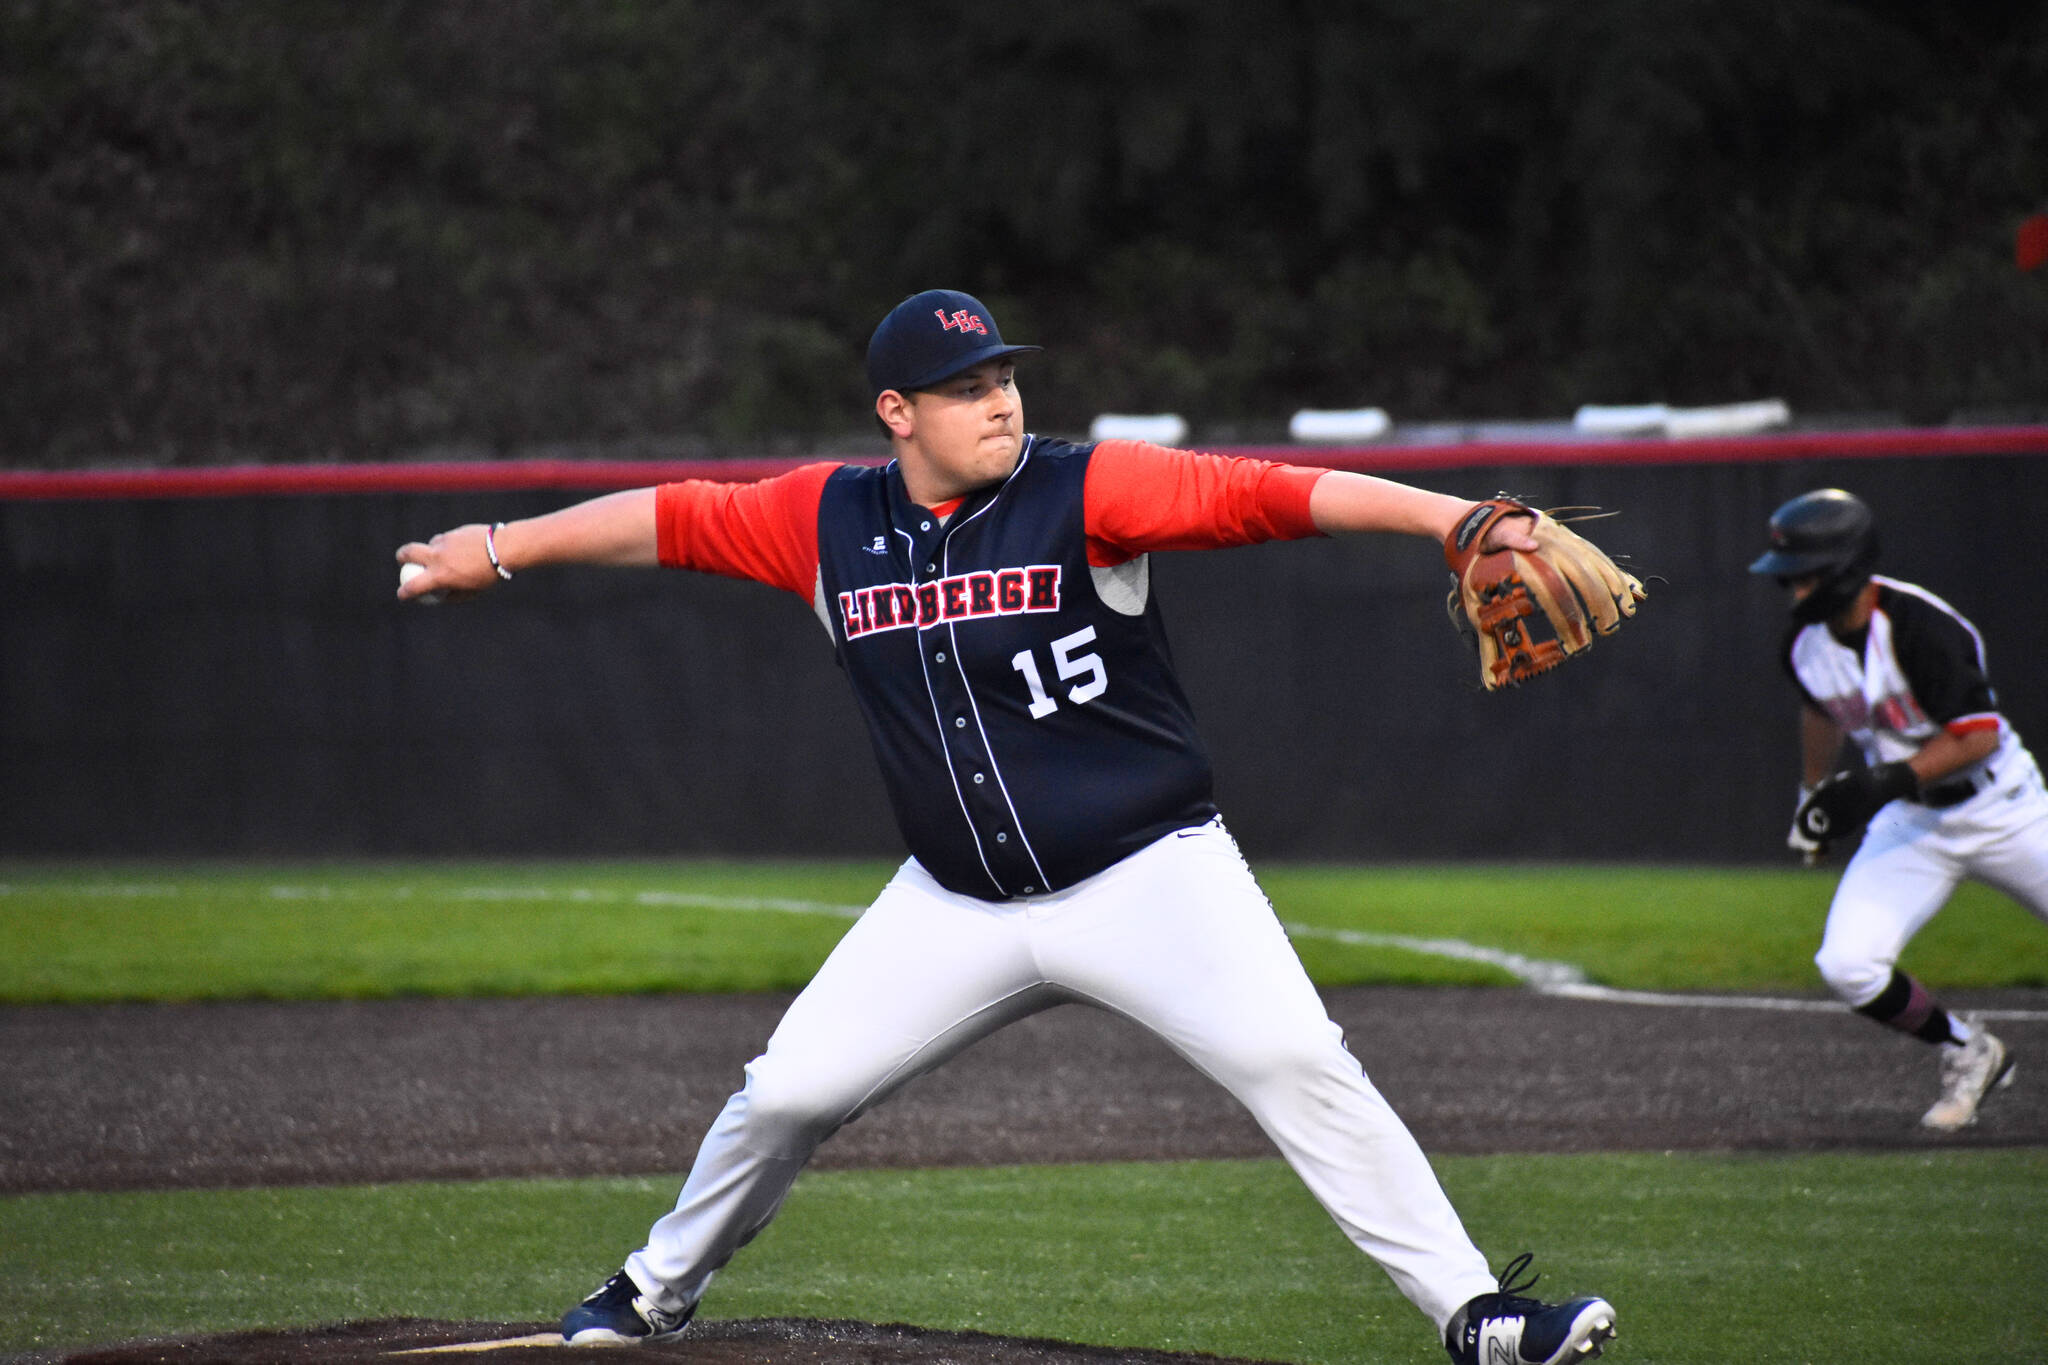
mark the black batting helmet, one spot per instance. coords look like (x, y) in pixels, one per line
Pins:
(1829, 534)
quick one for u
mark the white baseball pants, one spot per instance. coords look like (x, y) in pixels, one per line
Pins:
(1910, 863)
(1177, 938)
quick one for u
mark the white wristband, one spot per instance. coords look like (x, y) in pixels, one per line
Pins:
(491, 549)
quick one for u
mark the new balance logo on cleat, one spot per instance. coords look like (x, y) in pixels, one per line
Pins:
(618, 1314)
(1506, 1329)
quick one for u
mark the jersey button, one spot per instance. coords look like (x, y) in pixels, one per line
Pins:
(940, 657)
(924, 526)
(1030, 890)
(978, 779)
(959, 722)
(931, 568)
(1002, 838)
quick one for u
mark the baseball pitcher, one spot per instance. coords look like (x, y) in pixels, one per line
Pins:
(988, 596)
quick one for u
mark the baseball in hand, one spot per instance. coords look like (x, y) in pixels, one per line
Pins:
(407, 573)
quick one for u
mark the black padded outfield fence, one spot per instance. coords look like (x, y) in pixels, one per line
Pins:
(211, 663)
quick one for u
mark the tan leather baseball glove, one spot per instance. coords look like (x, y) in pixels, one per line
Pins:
(1529, 611)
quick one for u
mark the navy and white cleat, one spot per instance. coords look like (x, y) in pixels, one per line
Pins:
(618, 1314)
(1503, 1328)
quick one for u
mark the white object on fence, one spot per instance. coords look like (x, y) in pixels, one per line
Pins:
(1349, 424)
(1160, 428)
(1645, 419)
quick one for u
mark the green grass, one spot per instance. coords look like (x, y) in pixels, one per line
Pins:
(1709, 1258)
(1873, 1258)
(183, 932)
(293, 932)
(1642, 928)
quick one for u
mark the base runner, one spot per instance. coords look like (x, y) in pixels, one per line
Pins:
(988, 596)
(1947, 787)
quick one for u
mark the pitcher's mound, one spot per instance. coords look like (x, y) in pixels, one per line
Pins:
(746, 1341)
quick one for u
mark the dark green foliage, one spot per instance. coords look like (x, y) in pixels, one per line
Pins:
(343, 229)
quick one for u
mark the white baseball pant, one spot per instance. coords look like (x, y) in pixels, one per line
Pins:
(1178, 938)
(1910, 863)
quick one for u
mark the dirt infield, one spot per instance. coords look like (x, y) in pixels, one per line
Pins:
(784, 1341)
(167, 1096)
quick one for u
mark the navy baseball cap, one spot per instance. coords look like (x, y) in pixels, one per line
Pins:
(933, 336)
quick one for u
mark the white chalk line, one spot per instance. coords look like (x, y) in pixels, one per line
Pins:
(573, 895)
(497, 1344)
(1566, 980)
(1562, 979)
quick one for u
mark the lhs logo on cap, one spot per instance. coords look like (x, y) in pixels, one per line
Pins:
(907, 353)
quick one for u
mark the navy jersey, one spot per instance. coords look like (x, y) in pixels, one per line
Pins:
(1023, 706)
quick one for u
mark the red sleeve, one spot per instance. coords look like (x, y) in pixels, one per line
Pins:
(1142, 497)
(766, 531)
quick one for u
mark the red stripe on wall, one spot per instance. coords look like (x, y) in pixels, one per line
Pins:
(237, 481)
(234, 481)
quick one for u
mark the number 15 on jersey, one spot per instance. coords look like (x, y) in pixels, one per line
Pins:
(1070, 666)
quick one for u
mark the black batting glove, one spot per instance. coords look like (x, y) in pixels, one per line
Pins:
(1842, 802)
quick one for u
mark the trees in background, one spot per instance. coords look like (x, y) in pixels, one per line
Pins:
(337, 229)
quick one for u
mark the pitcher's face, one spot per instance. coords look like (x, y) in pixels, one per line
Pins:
(961, 434)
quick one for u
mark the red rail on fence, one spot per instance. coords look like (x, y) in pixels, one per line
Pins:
(235, 481)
